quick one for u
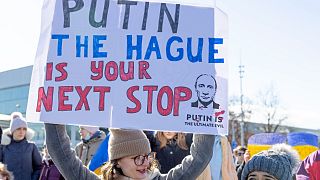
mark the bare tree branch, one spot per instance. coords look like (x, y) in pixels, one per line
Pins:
(270, 104)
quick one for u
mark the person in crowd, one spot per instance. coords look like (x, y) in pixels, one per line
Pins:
(19, 154)
(49, 170)
(309, 167)
(246, 158)
(238, 153)
(170, 148)
(277, 163)
(91, 138)
(129, 153)
(4, 173)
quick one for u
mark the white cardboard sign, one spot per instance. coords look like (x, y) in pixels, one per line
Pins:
(131, 64)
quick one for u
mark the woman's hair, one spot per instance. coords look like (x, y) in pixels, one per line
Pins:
(239, 148)
(179, 137)
(110, 169)
(7, 175)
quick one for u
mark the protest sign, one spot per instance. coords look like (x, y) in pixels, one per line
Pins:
(131, 64)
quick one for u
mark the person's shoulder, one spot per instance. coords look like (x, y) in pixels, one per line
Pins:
(79, 145)
(316, 155)
(313, 158)
(5, 138)
(31, 143)
(102, 136)
(194, 104)
(154, 174)
(98, 139)
(215, 105)
(189, 137)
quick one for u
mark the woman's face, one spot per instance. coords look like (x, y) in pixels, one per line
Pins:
(169, 135)
(130, 169)
(19, 134)
(84, 133)
(239, 156)
(259, 175)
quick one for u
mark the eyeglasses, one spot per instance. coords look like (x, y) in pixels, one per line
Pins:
(140, 159)
(240, 154)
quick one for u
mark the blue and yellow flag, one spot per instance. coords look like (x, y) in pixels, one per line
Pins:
(100, 157)
(264, 141)
(304, 143)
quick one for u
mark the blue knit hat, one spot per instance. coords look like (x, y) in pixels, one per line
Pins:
(279, 161)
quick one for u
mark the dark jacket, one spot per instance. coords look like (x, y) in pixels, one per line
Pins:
(50, 171)
(22, 159)
(214, 105)
(72, 169)
(170, 155)
(239, 169)
(0, 134)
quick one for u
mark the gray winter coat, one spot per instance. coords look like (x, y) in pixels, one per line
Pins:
(85, 150)
(72, 169)
(22, 158)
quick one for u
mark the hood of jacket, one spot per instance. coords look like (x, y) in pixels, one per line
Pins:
(6, 136)
(95, 137)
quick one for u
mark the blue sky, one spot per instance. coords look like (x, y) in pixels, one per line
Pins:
(277, 41)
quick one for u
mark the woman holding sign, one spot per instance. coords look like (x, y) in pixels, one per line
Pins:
(129, 156)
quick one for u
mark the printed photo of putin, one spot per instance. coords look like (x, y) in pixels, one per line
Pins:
(206, 88)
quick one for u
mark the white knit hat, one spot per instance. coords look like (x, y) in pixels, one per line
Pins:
(91, 129)
(17, 121)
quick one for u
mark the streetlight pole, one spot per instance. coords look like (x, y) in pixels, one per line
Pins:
(241, 71)
(233, 134)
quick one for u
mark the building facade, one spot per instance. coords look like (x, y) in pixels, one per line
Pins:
(14, 91)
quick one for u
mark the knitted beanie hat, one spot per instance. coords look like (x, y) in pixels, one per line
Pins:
(17, 121)
(127, 142)
(91, 129)
(279, 161)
